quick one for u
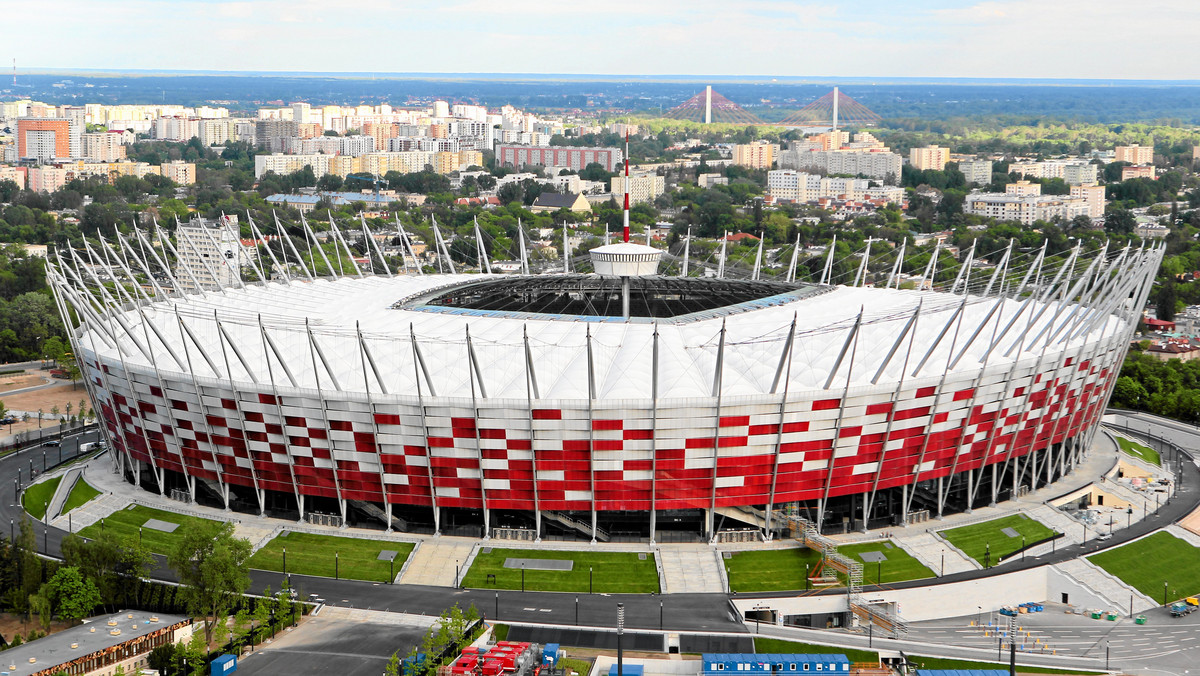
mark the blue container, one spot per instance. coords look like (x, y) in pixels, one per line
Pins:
(626, 670)
(225, 664)
(550, 654)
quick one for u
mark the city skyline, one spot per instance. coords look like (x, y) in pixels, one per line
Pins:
(926, 38)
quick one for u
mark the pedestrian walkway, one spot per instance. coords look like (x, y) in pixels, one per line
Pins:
(91, 512)
(1104, 585)
(687, 569)
(376, 617)
(62, 491)
(1071, 529)
(437, 560)
(1184, 534)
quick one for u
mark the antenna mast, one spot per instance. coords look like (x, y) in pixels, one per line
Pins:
(625, 232)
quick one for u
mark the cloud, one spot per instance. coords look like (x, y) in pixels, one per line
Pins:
(989, 38)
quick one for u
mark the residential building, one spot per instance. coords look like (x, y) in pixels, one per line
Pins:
(103, 147)
(211, 253)
(757, 155)
(1080, 173)
(709, 180)
(217, 132)
(14, 174)
(553, 201)
(270, 133)
(182, 173)
(572, 157)
(286, 164)
(1134, 154)
(872, 163)
(43, 139)
(1023, 189)
(1093, 195)
(929, 157)
(794, 186)
(1137, 171)
(180, 129)
(47, 179)
(644, 187)
(1025, 208)
(978, 172)
(1151, 230)
(1073, 172)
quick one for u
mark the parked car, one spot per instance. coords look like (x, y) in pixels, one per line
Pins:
(1104, 536)
(52, 442)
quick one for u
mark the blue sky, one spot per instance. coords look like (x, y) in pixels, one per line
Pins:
(1102, 39)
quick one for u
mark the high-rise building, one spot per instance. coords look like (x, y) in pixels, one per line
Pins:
(644, 186)
(1134, 154)
(1093, 195)
(210, 253)
(572, 157)
(757, 155)
(978, 172)
(929, 157)
(182, 173)
(103, 147)
(43, 139)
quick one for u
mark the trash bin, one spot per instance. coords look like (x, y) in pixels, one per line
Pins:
(1112, 617)
(1140, 619)
(1095, 614)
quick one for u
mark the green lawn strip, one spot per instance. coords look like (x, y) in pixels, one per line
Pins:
(613, 572)
(37, 497)
(947, 663)
(770, 569)
(311, 554)
(899, 566)
(974, 539)
(1148, 563)
(80, 494)
(582, 667)
(1139, 450)
(127, 522)
(500, 632)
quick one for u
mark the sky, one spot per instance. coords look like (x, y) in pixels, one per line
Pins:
(1091, 39)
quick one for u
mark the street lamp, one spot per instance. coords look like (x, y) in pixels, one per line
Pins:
(336, 557)
(576, 610)
(498, 607)
(522, 578)
(1023, 547)
(589, 580)
(620, 633)
(285, 560)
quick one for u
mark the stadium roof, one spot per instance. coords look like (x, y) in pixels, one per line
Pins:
(622, 354)
(723, 111)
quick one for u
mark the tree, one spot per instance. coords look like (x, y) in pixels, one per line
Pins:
(71, 595)
(1119, 221)
(211, 565)
(68, 364)
(40, 605)
(110, 560)
(1164, 300)
(162, 657)
(53, 348)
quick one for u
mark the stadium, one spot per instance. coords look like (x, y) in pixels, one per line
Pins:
(600, 406)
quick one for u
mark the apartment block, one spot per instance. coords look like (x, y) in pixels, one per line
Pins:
(929, 157)
(1134, 154)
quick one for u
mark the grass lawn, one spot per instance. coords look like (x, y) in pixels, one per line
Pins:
(309, 554)
(37, 497)
(79, 495)
(127, 522)
(1149, 562)
(582, 667)
(770, 569)
(973, 540)
(899, 566)
(614, 572)
(1139, 450)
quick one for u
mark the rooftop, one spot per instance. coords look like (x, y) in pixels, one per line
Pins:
(92, 636)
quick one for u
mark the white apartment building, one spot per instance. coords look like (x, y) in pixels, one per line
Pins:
(180, 129)
(1025, 209)
(285, 164)
(182, 173)
(1073, 172)
(211, 253)
(978, 172)
(796, 186)
(644, 187)
(103, 147)
(220, 131)
(872, 163)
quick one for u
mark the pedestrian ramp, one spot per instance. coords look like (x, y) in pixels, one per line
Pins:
(54, 509)
(931, 551)
(437, 561)
(1104, 585)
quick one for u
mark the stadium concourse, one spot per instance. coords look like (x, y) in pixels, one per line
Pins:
(657, 407)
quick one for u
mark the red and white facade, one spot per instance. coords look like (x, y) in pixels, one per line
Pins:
(323, 389)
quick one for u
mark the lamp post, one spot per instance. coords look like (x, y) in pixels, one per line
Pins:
(392, 569)
(46, 540)
(806, 577)
(879, 572)
(498, 607)
(139, 535)
(457, 573)
(660, 615)
(1022, 547)
(987, 556)
(590, 580)
(620, 633)
(1164, 593)
(576, 610)
(522, 578)
(943, 573)
(285, 560)
(336, 565)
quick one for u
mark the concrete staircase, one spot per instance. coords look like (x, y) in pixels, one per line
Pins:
(690, 570)
(433, 563)
(1105, 586)
(928, 549)
(91, 512)
(1071, 529)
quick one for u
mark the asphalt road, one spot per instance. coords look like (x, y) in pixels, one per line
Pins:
(346, 648)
